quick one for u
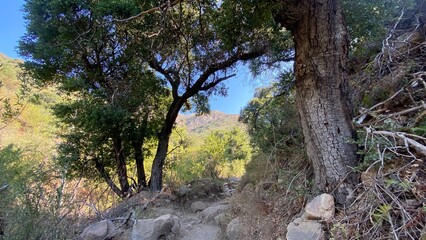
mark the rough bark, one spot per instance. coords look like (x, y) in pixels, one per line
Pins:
(321, 45)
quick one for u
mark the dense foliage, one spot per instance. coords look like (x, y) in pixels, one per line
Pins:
(221, 154)
(377, 18)
(275, 132)
(113, 102)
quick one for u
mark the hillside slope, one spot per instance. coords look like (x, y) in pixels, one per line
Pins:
(33, 128)
(216, 120)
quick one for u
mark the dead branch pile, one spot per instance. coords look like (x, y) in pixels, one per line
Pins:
(391, 123)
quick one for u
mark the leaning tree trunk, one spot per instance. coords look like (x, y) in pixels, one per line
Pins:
(156, 181)
(139, 155)
(321, 44)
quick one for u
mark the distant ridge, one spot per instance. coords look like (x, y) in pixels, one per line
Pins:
(216, 120)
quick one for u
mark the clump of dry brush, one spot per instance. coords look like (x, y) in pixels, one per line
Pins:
(391, 123)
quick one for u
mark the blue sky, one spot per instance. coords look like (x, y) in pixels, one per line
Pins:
(241, 87)
(12, 26)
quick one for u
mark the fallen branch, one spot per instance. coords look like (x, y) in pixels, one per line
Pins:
(406, 111)
(385, 101)
(360, 118)
(408, 141)
(4, 187)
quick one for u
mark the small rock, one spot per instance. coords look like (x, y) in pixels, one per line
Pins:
(320, 208)
(98, 231)
(235, 229)
(198, 206)
(306, 230)
(234, 179)
(210, 213)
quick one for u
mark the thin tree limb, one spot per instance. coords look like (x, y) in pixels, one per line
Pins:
(151, 10)
(3, 188)
(216, 82)
(381, 103)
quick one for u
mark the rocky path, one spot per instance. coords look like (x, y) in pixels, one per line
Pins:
(194, 219)
(202, 225)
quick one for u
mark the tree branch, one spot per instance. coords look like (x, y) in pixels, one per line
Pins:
(151, 10)
(166, 73)
(4, 187)
(284, 59)
(216, 82)
(408, 141)
(220, 66)
(101, 169)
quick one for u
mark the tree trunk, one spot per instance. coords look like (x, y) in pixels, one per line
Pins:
(2, 225)
(101, 169)
(121, 165)
(321, 44)
(156, 181)
(140, 168)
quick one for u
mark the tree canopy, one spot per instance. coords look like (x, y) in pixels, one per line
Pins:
(129, 67)
(113, 98)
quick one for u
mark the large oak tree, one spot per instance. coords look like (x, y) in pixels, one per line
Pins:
(321, 46)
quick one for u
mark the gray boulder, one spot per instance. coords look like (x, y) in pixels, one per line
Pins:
(198, 206)
(208, 214)
(98, 231)
(235, 229)
(306, 230)
(167, 226)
